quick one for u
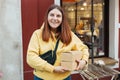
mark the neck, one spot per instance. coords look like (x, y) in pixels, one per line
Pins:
(54, 30)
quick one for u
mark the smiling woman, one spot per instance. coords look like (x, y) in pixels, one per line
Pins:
(44, 41)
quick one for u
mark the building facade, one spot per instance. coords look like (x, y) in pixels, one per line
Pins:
(19, 18)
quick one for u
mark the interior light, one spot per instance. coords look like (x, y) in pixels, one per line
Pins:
(81, 8)
(84, 4)
(72, 9)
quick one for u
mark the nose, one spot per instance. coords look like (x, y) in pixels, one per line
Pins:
(55, 17)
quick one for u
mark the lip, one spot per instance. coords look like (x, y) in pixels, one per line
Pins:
(54, 21)
(55, 24)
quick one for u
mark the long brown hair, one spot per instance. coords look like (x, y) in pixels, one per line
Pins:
(63, 30)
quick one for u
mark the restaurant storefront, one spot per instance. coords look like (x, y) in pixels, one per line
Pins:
(80, 14)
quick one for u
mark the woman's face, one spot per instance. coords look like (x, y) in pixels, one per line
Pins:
(54, 18)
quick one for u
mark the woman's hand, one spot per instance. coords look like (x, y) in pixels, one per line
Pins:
(80, 64)
(60, 69)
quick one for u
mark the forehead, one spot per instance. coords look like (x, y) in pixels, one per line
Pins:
(55, 11)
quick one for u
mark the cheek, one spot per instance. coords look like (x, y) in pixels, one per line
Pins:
(49, 20)
(60, 20)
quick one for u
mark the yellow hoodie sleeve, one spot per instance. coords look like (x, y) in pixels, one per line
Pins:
(33, 58)
(78, 45)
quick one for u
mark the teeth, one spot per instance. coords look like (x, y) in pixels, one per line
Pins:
(54, 21)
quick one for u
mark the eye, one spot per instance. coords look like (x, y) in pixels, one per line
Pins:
(59, 15)
(51, 14)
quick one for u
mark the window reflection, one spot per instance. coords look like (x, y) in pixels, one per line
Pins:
(78, 13)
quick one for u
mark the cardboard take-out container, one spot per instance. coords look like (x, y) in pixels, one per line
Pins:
(68, 59)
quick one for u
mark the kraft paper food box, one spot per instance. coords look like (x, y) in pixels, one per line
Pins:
(68, 59)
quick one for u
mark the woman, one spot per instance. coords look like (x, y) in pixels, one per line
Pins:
(54, 28)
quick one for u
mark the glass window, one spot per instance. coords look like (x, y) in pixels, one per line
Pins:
(79, 15)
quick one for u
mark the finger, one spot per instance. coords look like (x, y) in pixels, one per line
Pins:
(78, 60)
(61, 71)
(66, 69)
(77, 67)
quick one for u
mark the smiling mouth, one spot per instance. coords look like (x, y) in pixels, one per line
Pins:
(54, 21)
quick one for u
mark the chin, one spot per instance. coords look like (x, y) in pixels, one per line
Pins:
(54, 27)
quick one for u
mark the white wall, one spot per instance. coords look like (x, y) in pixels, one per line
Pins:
(11, 40)
(113, 29)
(57, 2)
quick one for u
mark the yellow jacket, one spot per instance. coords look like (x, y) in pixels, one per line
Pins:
(43, 69)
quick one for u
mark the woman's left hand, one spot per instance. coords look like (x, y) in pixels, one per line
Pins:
(80, 64)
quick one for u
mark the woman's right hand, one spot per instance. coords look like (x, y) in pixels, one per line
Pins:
(60, 69)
